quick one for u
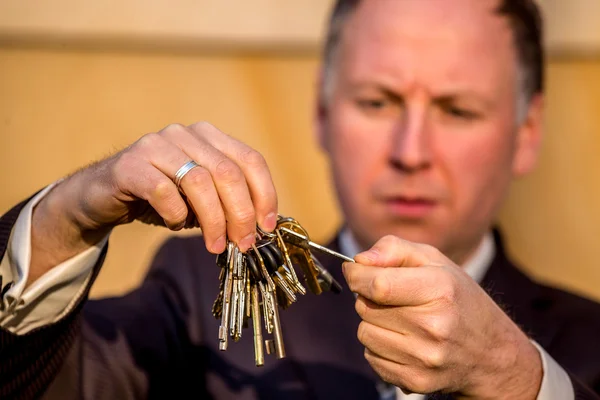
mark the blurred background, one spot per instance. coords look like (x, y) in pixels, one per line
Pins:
(80, 80)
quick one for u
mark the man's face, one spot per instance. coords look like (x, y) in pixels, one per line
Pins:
(420, 123)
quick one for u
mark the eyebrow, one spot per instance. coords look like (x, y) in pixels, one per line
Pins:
(445, 98)
(466, 95)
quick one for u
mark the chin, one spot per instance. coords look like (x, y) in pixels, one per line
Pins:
(416, 233)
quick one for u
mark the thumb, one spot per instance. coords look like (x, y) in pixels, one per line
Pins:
(391, 251)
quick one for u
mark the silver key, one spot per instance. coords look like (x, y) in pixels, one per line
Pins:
(223, 329)
(302, 241)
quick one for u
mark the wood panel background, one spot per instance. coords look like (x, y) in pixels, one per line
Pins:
(66, 103)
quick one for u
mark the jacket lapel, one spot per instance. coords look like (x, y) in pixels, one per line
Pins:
(520, 297)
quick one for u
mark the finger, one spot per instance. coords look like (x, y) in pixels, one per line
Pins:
(382, 341)
(391, 251)
(254, 167)
(406, 376)
(150, 184)
(229, 181)
(197, 185)
(387, 317)
(200, 191)
(435, 327)
(391, 286)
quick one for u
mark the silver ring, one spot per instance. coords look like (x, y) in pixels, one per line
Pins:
(181, 172)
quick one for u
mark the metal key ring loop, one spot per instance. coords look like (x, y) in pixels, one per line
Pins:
(181, 172)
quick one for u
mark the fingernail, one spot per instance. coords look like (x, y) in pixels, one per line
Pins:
(270, 222)
(247, 242)
(179, 226)
(219, 245)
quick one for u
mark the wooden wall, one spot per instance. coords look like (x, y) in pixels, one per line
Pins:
(63, 105)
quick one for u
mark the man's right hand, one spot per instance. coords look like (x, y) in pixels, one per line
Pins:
(228, 194)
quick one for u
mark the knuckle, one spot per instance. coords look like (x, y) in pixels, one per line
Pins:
(198, 178)
(361, 308)
(435, 358)
(200, 125)
(433, 253)
(203, 128)
(390, 239)
(380, 288)
(162, 190)
(215, 222)
(419, 382)
(253, 158)
(439, 328)
(363, 335)
(447, 286)
(172, 128)
(245, 217)
(149, 140)
(228, 171)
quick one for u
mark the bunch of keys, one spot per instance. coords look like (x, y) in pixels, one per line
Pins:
(255, 284)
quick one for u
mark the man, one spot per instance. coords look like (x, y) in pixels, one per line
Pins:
(427, 110)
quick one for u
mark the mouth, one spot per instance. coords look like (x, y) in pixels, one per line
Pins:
(410, 207)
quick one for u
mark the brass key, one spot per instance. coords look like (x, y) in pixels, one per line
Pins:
(256, 284)
(259, 356)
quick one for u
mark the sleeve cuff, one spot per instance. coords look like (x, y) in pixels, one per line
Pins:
(556, 384)
(55, 293)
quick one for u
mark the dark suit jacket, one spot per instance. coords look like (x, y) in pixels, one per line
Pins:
(160, 340)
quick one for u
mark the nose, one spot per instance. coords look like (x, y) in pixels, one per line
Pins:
(411, 150)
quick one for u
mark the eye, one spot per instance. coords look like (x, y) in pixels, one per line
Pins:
(372, 104)
(459, 112)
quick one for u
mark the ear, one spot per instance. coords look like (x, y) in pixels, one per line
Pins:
(321, 112)
(529, 138)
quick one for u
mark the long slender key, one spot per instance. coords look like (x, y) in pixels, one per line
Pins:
(235, 294)
(271, 300)
(271, 256)
(248, 311)
(267, 307)
(267, 291)
(282, 284)
(302, 241)
(241, 308)
(287, 263)
(217, 307)
(277, 335)
(223, 329)
(259, 356)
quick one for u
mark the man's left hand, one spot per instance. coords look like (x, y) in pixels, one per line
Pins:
(427, 326)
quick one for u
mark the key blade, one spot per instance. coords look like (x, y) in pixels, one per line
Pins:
(301, 240)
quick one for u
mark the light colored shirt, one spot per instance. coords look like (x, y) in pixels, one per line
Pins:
(55, 293)
(556, 384)
(49, 298)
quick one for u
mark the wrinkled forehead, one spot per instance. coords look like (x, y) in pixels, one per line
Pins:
(441, 42)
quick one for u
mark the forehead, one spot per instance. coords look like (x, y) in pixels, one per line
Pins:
(446, 43)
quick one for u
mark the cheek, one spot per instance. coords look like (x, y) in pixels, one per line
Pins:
(478, 168)
(357, 148)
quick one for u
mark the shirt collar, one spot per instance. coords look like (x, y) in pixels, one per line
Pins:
(475, 267)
